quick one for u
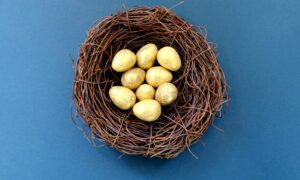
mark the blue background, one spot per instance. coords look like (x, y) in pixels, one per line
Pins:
(258, 48)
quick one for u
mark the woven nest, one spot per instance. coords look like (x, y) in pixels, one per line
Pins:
(200, 82)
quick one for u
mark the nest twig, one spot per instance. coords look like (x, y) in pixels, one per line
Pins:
(200, 82)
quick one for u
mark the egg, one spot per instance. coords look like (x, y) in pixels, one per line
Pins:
(123, 60)
(146, 56)
(168, 58)
(166, 94)
(147, 110)
(158, 75)
(133, 78)
(122, 97)
(145, 91)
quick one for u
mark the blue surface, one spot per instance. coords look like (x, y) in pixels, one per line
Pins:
(258, 47)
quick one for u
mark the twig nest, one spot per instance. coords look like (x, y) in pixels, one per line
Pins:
(199, 80)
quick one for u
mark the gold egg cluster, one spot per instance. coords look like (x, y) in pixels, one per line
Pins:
(150, 100)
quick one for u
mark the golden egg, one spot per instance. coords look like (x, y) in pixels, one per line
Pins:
(133, 78)
(169, 58)
(123, 60)
(146, 56)
(158, 75)
(147, 110)
(145, 91)
(166, 94)
(122, 97)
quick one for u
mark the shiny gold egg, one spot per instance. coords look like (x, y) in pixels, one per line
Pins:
(158, 75)
(122, 97)
(146, 56)
(166, 94)
(133, 78)
(168, 58)
(147, 110)
(145, 91)
(123, 60)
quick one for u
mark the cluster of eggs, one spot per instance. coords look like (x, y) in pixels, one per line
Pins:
(150, 100)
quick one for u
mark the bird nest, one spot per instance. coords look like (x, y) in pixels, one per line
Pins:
(200, 82)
